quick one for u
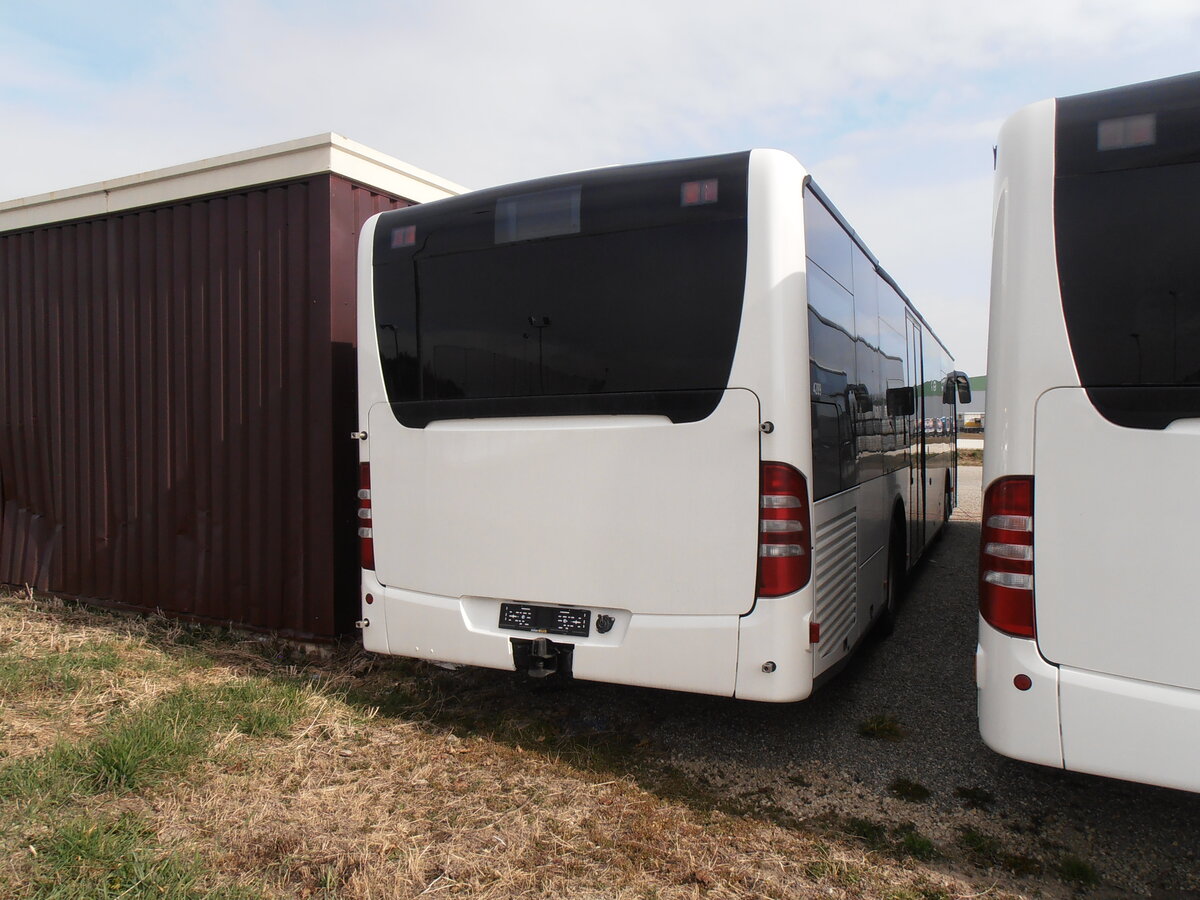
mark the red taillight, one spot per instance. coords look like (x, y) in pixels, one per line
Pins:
(366, 541)
(784, 547)
(1006, 556)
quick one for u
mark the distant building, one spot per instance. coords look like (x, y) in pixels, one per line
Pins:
(971, 413)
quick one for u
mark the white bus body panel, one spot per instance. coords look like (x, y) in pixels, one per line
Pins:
(630, 512)
(1115, 594)
(1027, 338)
(1020, 724)
(772, 356)
(687, 653)
(1027, 348)
(1129, 729)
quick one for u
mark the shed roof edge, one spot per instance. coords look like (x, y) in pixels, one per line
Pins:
(315, 155)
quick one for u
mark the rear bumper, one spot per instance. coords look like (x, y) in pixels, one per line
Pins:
(1130, 729)
(1020, 724)
(1085, 721)
(698, 654)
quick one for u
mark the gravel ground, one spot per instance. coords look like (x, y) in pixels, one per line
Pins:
(808, 761)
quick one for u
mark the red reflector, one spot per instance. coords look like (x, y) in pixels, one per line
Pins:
(1006, 556)
(366, 539)
(784, 546)
(696, 193)
(814, 632)
(370, 599)
(1022, 682)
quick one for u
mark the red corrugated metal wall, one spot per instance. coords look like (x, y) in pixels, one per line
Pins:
(176, 399)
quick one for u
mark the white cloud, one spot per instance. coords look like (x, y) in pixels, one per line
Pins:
(486, 91)
(894, 107)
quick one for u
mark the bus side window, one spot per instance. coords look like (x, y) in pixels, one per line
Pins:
(827, 449)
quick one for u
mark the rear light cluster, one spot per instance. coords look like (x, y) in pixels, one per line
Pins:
(366, 540)
(784, 545)
(1006, 556)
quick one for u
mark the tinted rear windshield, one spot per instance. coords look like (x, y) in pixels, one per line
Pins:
(1127, 216)
(614, 291)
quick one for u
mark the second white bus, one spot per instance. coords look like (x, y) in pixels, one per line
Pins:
(1089, 618)
(668, 425)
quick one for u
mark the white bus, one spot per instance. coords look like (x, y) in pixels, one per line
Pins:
(661, 425)
(1087, 656)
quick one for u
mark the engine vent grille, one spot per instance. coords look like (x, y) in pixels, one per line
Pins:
(836, 563)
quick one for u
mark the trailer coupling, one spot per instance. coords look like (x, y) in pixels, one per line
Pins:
(541, 657)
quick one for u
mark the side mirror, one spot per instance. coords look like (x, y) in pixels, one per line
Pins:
(901, 401)
(960, 381)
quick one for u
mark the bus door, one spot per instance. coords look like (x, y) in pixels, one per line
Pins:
(916, 437)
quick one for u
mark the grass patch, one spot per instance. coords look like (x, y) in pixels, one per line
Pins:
(874, 833)
(98, 859)
(140, 747)
(60, 673)
(257, 708)
(987, 851)
(980, 846)
(970, 456)
(830, 867)
(901, 841)
(918, 893)
(1023, 866)
(152, 716)
(909, 790)
(883, 727)
(975, 798)
(1078, 872)
(915, 845)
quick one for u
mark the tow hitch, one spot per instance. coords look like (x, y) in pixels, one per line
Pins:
(541, 657)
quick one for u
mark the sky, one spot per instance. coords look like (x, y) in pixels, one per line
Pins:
(892, 107)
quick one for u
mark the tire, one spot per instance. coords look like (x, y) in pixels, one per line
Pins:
(947, 509)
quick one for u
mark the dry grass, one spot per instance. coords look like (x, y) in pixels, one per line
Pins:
(970, 456)
(347, 803)
(393, 810)
(65, 670)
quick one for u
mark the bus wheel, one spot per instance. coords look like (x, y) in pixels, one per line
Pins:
(895, 582)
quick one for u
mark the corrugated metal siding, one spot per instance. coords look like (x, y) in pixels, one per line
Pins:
(173, 406)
